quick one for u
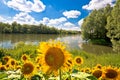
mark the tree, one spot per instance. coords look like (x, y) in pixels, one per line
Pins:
(93, 27)
(113, 26)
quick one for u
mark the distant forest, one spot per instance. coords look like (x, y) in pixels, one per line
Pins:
(32, 29)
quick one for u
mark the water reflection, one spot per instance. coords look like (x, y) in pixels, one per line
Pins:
(72, 41)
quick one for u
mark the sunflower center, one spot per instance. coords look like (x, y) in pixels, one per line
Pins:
(97, 73)
(6, 59)
(28, 68)
(111, 74)
(12, 62)
(78, 60)
(54, 57)
(7, 65)
(24, 58)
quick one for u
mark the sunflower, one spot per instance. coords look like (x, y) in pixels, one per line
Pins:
(87, 70)
(24, 57)
(54, 56)
(2, 68)
(97, 73)
(6, 58)
(28, 69)
(7, 66)
(12, 63)
(78, 60)
(18, 67)
(99, 66)
(111, 73)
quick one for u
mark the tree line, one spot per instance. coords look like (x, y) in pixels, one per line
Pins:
(103, 24)
(31, 29)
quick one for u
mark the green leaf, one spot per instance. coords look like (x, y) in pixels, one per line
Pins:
(74, 71)
(92, 77)
(36, 77)
(3, 75)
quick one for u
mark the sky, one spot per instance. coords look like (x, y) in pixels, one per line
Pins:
(62, 14)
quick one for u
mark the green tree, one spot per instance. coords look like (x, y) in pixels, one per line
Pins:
(113, 26)
(93, 26)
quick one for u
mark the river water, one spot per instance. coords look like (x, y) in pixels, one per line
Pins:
(72, 41)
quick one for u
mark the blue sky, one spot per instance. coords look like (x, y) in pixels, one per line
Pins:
(65, 14)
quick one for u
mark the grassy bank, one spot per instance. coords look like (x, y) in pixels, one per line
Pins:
(90, 59)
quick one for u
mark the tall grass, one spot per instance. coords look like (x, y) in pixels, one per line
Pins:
(19, 49)
(90, 59)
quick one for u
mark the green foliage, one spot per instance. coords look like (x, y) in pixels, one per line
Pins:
(91, 60)
(31, 29)
(19, 49)
(2, 75)
(93, 26)
(103, 24)
(113, 26)
(2, 53)
(99, 41)
(36, 77)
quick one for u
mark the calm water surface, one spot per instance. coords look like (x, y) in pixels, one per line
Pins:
(72, 41)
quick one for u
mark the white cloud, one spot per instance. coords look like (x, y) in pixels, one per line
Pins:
(68, 24)
(80, 22)
(60, 23)
(45, 20)
(26, 6)
(24, 18)
(5, 19)
(2, 19)
(38, 6)
(72, 14)
(53, 22)
(97, 4)
(56, 22)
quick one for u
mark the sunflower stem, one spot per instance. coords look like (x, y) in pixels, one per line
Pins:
(60, 78)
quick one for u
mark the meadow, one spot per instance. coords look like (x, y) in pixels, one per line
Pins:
(29, 62)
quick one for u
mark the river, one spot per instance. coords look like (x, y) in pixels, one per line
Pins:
(72, 41)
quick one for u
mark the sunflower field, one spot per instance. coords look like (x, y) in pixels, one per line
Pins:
(52, 61)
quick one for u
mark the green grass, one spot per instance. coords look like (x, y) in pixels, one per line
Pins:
(19, 49)
(90, 59)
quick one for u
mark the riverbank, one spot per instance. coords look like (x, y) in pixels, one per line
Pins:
(90, 59)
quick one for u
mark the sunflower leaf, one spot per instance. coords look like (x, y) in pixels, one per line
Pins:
(3, 75)
(74, 71)
(92, 78)
(36, 77)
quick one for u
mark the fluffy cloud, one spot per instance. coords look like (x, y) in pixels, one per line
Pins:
(97, 4)
(60, 23)
(70, 26)
(5, 19)
(53, 22)
(80, 22)
(26, 6)
(2, 19)
(72, 14)
(24, 18)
